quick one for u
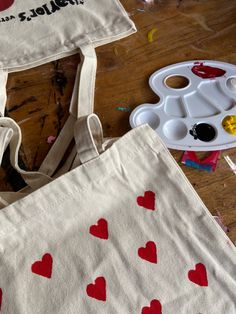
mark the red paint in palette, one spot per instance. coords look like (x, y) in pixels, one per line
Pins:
(205, 71)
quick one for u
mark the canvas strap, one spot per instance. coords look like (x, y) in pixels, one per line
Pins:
(88, 137)
(3, 91)
(6, 133)
(81, 105)
(5, 138)
(90, 142)
(82, 102)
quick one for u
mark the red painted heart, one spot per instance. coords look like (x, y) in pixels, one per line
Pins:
(147, 201)
(100, 230)
(98, 289)
(149, 253)
(5, 4)
(155, 308)
(198, 275)
(0, 299)
(43, 267)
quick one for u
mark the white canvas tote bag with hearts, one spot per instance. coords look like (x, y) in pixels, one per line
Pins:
(123, 233)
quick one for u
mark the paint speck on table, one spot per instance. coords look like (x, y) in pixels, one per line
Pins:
(151, 35)
(51, 139)
(124, 109)
(141, 10)
(220, 221)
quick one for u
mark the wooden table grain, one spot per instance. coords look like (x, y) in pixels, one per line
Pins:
(38, 99)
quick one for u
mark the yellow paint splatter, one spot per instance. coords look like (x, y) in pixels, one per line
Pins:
(151, 34)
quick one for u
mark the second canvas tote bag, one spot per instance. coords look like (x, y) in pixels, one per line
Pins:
(35, 32)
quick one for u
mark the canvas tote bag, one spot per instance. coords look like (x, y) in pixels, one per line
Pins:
(123, 233)
(35, 32)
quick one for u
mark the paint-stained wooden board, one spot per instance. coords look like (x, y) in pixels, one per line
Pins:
(186, 30)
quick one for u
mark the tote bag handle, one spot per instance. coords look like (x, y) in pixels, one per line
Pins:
(81, 104)
(88, 137)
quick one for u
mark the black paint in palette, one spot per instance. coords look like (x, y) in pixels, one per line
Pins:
(203, 132)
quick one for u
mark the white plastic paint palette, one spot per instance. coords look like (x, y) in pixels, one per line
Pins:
(190, 118)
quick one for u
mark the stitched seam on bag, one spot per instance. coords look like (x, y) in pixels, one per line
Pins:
(77, 45)
(130, 157)
(67, 195)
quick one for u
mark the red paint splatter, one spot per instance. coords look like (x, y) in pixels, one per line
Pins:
(205, 71)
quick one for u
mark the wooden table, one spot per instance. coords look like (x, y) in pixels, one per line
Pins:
(186, 30)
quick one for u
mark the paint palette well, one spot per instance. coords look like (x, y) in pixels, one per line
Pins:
(190, 116)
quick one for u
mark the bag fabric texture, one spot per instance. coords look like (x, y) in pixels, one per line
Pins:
(35, 32)
(118, 229)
